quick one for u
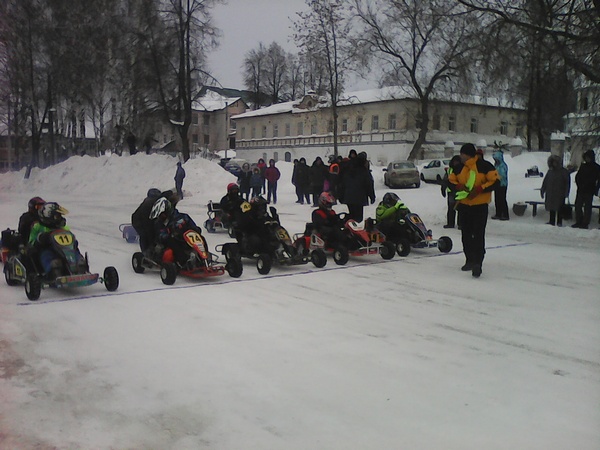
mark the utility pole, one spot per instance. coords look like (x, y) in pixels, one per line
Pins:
(51, 111)
(226, 129)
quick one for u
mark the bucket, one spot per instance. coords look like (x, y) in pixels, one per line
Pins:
(519, 208)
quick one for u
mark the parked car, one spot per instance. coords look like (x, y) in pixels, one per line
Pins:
(234, 166)
(401, 174)
(435, 170)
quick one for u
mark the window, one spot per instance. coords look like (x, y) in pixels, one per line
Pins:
(313, 128)
(392, 122)
(206, 119)
(206, 139)
(359, 123)
(195, 139)
(474, 125)
(264, 131)
(253, 133)
(504, 128)
(330, 126)
(243, 133)
(519, 131)
(195, 119)
(451, 123)
(375, 123)
(584, 103)
(344, 124)
(276, 156)
(300, 128)
(436, 122)
(288, 157)
(275, 130)
(287, 129)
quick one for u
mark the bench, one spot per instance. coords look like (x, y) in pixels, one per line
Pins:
(535, 204)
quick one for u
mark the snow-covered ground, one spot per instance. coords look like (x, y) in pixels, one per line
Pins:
(409, 353)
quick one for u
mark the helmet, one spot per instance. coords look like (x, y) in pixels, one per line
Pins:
(233, 187)
(51, 214)
(153, 192)
(162, 209)
(35, 203)
(259, 205)
(326, 200)
(390, 199)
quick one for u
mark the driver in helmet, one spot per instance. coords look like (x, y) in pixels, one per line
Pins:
(390, 214)
(230, 204)
(326, 221)
(30, 217)
(141, 222)
(252, 230)
(51, 217)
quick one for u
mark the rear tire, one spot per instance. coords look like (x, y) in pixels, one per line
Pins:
(168, 273)
(318, 258)
(33, 287)
(137, 262)
(111, 279)
(340, 255)
(264, 264)
(234, 267)
(7, 277)
(387, 250)
(444, 244)
(403, 247)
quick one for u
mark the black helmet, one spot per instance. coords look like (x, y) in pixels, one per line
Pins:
(35, 203)
(259, 205)
(390, 199)
(153, 193)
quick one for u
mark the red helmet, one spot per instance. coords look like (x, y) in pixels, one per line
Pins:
(35, 203)
(326, 200)
(231, 187)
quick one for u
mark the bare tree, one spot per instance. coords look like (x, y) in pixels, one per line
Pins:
(254, 72)
(275, 69)
(420, 42)
(178, 36)
(571, 27)
(320, 32)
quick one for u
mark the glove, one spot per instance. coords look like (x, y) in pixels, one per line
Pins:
(475, 192)
(398, 204)
(44, 239)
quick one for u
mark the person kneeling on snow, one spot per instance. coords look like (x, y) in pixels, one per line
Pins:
(326, 222)
(390, 214)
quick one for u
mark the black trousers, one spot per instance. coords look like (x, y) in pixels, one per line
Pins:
(583, 208)
(501, 203)
(355, 211)
(473, 220)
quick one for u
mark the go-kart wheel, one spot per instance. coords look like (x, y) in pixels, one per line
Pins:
(340, 255)
(33, 287)
(209, 227)
(264, 263)
(444, 244)
(137, 261)
(7, 277)
(527, 175)
(234, 267)
(318, 258)
(168, 273)
(231, 251)
(387, 250)
(403, 247)
(111, 279)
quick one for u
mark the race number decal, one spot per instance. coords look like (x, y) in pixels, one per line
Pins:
(245, 206)
(63, 239)
(193, 237)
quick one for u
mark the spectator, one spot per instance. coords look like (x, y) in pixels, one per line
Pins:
(244, 181)
(256, 182)
(272, 174)
(588, 183)
(357, 187)
(555, 188)
(262, 166)
(501, 190)
(179, 176)
(302, 181)
(317, 176)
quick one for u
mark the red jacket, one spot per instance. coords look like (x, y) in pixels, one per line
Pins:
(272, 174)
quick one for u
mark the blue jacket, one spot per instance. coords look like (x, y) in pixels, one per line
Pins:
(501, 168)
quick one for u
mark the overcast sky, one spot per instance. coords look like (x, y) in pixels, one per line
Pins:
(245, 23)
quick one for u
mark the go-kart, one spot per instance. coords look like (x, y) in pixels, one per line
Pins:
(359, 239)
(216, 218)
(275, 247)
(414, 234)
(533, 171)
(199, 262)
(69, 268)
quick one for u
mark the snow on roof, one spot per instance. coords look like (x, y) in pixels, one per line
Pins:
(377, 95)
(212, 101)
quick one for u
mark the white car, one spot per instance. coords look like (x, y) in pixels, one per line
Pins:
(435, 170)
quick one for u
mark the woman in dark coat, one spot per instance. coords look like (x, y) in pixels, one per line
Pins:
(317, 176)
(357, 187)
(555, 188)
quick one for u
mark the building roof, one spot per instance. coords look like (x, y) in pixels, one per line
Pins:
(212, 101)
(375, 95)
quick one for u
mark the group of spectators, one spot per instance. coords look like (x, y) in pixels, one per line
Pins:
(348, 179)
